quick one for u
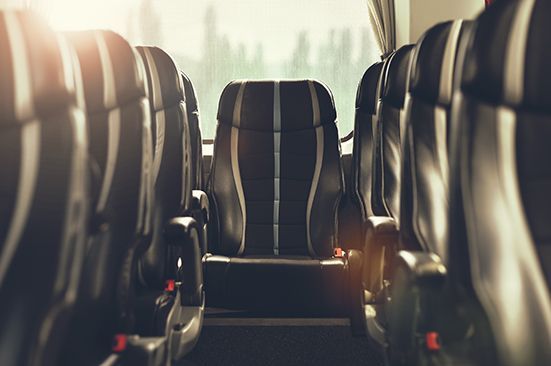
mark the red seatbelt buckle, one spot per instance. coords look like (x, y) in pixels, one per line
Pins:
(432, 341)
(170, 285)
(338, 253)
(119, 342)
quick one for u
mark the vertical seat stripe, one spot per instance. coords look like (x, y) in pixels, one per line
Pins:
(160, 125)
(516, 52)
(145, 207)
(380, 132)
(445, 95)
(317, 169)
(277, 162)
(160, 117)
(24, 103)
(440, 134)
(448, 63)
(114, 121)
(113, 139)
(187, 179)
(234, 143)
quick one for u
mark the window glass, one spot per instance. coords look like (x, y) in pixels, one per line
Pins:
(217, 41)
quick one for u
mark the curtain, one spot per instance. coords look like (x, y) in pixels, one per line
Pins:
(383, 22)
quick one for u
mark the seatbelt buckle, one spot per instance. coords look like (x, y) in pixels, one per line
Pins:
(119, 343)
(339, 253)
(432, 341)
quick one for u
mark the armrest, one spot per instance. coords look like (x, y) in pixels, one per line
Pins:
(381, 244)
(423, 269)
(200, 202)
(381, 225)
(183, 233)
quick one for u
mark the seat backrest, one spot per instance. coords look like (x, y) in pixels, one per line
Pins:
(276, 179)
(367, 101)
(388, 135)
(425, 173)
(120, 146)
(192, 108)
(500, 204)
(171, 158)
(43, 189)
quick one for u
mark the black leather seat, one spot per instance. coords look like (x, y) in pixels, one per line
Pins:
(388, 131)
(424, 194)
(491, 303)
(161, 309)
(192, 108)
(120, 146)
(200, 204)
(500, 209)
(367, 103)
(171, 161)
(275, 187)
(43, 190)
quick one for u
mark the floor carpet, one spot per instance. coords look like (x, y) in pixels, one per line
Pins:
(268, 342)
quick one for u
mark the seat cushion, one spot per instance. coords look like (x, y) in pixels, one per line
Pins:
(278, 285)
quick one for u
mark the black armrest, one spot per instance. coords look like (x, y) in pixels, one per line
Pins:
(381, 225)
(423, 269)
(381, 245)
(200, 202)
(183, 233)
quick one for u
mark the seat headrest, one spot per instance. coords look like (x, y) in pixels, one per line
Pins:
(397, 77)
(112, 71)
(433, 65)
(366, 100)
(298, 105)
(165, 85)
(508, 62)
(191, 98)
(36, 73)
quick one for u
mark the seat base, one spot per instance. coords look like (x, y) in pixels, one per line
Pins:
(277, 285)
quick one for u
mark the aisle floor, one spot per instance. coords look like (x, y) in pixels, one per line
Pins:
(268, 342)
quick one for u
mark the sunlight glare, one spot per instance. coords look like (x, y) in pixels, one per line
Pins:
(69, 15)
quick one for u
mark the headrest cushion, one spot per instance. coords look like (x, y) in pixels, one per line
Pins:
(268, 105)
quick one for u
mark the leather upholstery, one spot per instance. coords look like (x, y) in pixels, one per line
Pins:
(389, 135)
(192, 108)
(171, 160)
(43, 189)
(279, 284)
(425, 174)
(275, 185)
(500, 195)
(174, 253)
(276, 179)
(367, 101)
(120, 145)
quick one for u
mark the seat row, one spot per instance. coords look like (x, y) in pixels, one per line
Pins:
(451, 176)
(102, 213)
